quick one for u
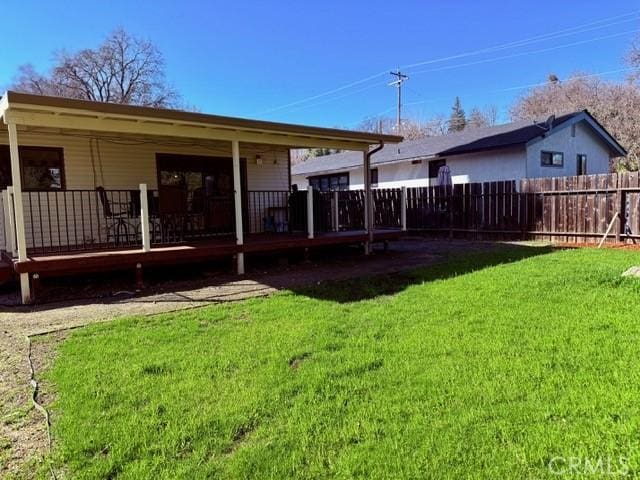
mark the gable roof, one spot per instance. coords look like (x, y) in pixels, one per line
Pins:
(508, 135)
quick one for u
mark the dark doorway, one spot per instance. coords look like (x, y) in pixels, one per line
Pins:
(434, 168)
(581, 161)
(195, 194)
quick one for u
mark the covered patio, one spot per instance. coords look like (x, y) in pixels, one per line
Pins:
(92, 186)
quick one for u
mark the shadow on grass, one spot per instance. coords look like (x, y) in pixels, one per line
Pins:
(447, 261)
(369, 287)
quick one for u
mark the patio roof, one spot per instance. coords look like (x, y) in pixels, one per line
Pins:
(63, 113)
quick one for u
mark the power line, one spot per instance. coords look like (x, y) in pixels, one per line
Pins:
(532, 40)
(335, 90)
(522, 54)
(332, 99)
(506, 89)
(514, 44)
(467, 64)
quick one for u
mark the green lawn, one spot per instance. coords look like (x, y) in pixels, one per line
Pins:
(491, 365)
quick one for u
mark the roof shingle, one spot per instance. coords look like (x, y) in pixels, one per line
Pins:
(467, 141)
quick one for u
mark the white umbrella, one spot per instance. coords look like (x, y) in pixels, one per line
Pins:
(444, 176)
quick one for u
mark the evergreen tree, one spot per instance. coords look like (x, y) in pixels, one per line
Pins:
(457, 120)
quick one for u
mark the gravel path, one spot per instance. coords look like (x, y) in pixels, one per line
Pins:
(22, 433)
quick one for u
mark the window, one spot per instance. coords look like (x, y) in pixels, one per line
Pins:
(434, 167)
(374, 177)
(582, 164)
(551, 159)
(326, 183)
(42, 168)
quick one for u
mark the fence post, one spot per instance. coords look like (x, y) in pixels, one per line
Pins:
(310, 211)
(621, 221)
(403, 208)
(144, 218)
(450, 191)
(336, 212)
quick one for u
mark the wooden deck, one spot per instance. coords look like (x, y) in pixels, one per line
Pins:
(96, 261)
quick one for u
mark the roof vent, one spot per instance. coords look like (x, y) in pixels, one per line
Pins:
(549, 123)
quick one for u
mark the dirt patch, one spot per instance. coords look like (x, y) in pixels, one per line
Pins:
(23, 432)
(295, 362)
(23, 438)
(617, 246)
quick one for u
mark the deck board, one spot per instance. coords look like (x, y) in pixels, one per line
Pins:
(95, 261)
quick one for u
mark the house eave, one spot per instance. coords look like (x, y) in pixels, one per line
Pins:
(54, 112)
(616, 149)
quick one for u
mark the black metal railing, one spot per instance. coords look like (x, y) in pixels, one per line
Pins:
(76, 220)
(275, 211)
(100, 219)
(176, 217)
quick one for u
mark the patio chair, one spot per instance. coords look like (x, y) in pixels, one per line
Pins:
(173, 212)
(155, 227)
(119, 228)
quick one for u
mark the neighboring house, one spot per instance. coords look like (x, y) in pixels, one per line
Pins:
(571, 144)
(90, 186)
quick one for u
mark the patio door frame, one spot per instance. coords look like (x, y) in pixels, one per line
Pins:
(206, 160)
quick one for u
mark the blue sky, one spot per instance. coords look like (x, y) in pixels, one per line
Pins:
(249, 58)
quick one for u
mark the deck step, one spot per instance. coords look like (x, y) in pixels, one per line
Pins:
(6, 271)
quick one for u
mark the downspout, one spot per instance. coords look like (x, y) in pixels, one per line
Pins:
(367, 186)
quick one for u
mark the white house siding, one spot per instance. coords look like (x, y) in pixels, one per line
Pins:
(300, 181)
(475, 167)
(124, 163)
(571, 142)
(393, 175)
(504, 164)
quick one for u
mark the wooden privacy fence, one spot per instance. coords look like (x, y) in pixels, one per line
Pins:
(480, 210)
(562, 209)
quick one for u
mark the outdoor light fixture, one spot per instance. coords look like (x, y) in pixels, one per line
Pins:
(258, 160)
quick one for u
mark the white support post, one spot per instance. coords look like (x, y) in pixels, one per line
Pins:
(237, 197)
(9, 235)
(310, 227)
(144, 218)
(336, 211)
(403, 209)
(16, 180)
(12, 222)
(368, 201)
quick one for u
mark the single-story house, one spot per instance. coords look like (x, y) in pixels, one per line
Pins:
(570, 144)
(90, 186)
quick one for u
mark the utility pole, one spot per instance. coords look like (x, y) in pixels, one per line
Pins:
(400, 78)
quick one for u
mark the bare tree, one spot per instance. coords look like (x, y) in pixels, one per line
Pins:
(486, 117)
(123, 69)
(412, 129)
(436, 125)
(633, 59)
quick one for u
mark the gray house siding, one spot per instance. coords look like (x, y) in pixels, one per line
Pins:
(571, 142)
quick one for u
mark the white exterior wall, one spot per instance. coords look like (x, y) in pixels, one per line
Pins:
(122, 165)
(508, 164)
(585, 141)
(300, 181)
(503, 164)
(475, 167)
(129, 162)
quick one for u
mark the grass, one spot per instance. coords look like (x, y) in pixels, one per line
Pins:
(490, 365)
